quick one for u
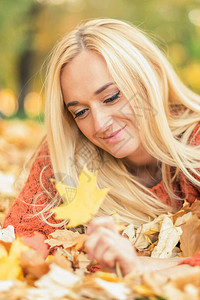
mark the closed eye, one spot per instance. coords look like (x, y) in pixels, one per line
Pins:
(80, 113)
(114, 97)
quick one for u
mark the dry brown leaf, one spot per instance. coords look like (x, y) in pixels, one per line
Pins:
(80, 241)
(83, 261)
(89, 289)
(62, 261)
(195, 208)
(144, 253)
(147, 252)
(65, 238)
(187, 207)
(184, 210)
(190, 238)
(169, 236)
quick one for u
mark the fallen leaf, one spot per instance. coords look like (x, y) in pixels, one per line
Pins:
(145, 234)
(121, 227)
(190, 238)
(65, 238)
(7, 234)
(10, 267)
(107, 276)
(187, 207)
(83, 261)
(183, 219)
(116, 290)
(143, 290)
(195, 208)
(89, 289)
(86, 203)
(80, 242)
(53, 285)
(168, 239)
(60, 260)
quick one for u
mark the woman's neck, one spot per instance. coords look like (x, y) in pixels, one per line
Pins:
(149, 175)
(144, 166)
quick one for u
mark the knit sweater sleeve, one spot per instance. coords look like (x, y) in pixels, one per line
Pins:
(190, 191)
(36, 194)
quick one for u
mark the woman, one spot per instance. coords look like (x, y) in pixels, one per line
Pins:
(114, 102)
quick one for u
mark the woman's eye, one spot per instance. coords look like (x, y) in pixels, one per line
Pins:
(114, 97)
(80, 113)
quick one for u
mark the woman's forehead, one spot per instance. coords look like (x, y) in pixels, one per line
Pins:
(85, 74)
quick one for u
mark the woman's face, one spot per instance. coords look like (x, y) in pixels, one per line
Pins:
(100, 110)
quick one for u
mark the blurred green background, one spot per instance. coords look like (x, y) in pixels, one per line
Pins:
(30, 28)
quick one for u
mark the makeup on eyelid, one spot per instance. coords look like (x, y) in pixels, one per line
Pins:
(108, 100)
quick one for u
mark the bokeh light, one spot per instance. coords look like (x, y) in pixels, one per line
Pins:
(194, 16)
(177, 53)
(34, 104)
(8, 102)
(191, 74)
(34, 27)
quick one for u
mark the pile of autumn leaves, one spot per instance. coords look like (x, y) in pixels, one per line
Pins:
(26, 273)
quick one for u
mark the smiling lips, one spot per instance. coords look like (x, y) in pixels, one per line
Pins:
(114, 136)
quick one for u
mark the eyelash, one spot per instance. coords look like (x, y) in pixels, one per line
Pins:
(113, 98)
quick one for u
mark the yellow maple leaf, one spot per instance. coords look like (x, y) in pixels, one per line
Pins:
(10, 267)
(86, 202)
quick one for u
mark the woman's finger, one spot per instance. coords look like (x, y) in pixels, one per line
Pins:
(106, 222)
(108, 259)
(96, 241)
(106, 243)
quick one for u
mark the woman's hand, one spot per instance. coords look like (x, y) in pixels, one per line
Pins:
(107, 246)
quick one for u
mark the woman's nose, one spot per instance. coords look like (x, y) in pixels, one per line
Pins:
(102, 122)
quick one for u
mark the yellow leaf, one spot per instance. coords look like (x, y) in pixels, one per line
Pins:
(17, 248)
(10, 263)
(150, 232)
(3, 252)
(143, 290)
(10, 269)
(86, 203)
(112, 277)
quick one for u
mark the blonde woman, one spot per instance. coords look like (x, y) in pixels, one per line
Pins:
(113, 101)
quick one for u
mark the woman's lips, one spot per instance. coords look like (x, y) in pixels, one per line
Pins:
(114, 136)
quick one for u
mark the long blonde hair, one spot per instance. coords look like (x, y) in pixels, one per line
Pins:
(165, 109)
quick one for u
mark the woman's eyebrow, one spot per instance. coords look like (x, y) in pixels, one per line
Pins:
(72, 103)
(101, 89)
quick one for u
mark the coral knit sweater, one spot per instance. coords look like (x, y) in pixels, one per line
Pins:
(33, 198)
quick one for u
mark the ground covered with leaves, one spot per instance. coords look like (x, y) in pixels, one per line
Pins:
(28, 271)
